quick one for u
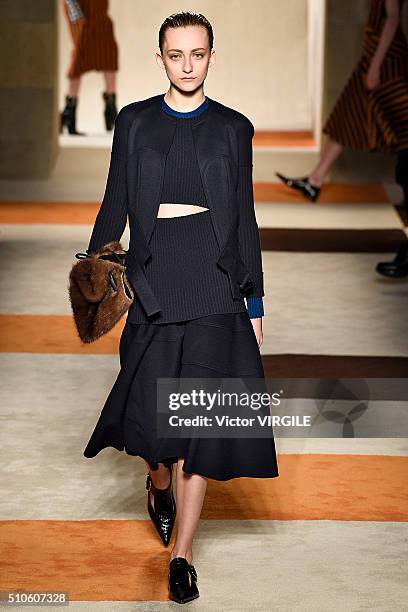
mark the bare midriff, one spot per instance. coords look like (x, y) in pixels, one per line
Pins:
(179, 210)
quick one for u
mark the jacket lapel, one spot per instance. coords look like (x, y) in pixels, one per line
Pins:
(208, 142)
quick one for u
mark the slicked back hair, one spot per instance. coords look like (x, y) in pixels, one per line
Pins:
(183, 19)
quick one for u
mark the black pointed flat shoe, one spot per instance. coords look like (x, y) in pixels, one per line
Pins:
(398, 267)
(301, 184)
(180, 574)
(163, 514)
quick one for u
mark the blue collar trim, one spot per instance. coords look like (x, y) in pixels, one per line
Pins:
(185, 115)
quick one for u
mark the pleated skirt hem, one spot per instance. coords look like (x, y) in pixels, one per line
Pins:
(216, 346)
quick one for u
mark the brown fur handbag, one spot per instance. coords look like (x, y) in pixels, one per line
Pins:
(99, 291)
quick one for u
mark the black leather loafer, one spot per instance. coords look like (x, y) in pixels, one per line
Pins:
(163, 514)
(301, 184)
(398, 267)
(180, 574)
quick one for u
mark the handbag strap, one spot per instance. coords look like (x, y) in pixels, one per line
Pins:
(113, 254)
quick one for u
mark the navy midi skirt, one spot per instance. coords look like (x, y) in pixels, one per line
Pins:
(214, 346)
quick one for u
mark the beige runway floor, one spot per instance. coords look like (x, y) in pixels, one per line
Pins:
(328, 534)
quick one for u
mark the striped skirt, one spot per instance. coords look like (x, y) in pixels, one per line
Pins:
(373, 120)
(94, 41)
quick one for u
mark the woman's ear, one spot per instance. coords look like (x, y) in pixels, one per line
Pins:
(159, 61)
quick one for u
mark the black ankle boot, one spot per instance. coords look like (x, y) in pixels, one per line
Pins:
(398, 267)
(68, 116)
(180, 574)
(164, 512)
(301, 184)
(110, 112)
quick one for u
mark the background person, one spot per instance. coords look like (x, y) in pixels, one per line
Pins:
(95, 48)
(371, 113)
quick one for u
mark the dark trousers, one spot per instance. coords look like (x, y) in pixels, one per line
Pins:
(401, 174)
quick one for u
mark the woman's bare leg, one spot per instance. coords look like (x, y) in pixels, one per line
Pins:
(110, 81)
(191, 490)
(73, 86)
(160, 477)
(330, 153)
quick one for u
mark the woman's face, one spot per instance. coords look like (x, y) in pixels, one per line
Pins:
(186, 56)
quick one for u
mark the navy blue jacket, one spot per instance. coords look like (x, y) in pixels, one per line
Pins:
(223, 142)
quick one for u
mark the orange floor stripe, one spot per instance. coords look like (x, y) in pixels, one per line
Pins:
(84, 213)
(52, 334)
(91, 560)
(281, 138)
(57, 334)
(123, 560)
(72, 213)
(318, 487)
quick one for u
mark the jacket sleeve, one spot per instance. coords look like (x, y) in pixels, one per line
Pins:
(111, 219)
(248, 232)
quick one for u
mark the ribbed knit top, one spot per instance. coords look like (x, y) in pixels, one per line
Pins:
(182, 181)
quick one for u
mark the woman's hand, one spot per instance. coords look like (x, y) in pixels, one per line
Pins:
(373, 75)
(257, 325)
